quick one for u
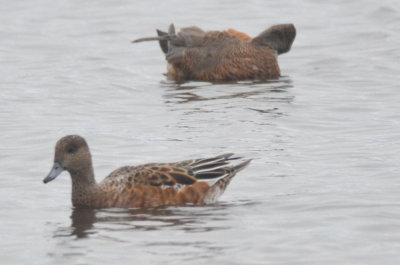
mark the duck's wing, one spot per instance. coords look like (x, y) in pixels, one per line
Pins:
(164, 175)
(174, 174)
(185, 172)
(190, 37)
(209, 168)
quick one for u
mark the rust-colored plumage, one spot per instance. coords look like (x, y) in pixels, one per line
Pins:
(149, 185)
(194, 54)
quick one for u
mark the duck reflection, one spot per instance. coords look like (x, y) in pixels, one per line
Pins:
(84, 220)
(181, 93)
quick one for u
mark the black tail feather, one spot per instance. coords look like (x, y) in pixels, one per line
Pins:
(279, 37)
(163, 41)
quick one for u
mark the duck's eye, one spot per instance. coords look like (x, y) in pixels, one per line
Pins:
(71, 150)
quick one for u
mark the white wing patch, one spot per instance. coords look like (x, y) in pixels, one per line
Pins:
(177, 187)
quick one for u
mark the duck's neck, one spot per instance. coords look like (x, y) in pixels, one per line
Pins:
(84, 186)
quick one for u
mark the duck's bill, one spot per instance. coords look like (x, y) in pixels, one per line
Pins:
(55, 171)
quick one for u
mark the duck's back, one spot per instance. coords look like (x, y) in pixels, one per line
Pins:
(194, 54)
(161, 184)
(219, 56)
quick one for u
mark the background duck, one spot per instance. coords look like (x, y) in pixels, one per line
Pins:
(194, 54)
(149, 185)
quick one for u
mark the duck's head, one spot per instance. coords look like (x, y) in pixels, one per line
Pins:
(71, 154)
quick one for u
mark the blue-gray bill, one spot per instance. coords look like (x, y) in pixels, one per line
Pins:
(54, 172)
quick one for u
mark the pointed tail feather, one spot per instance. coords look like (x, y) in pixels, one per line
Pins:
(159, 38)
(213, 168)
(163, 38)
(207, 163)
(219, 187)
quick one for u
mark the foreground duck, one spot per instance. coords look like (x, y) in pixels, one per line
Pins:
(148, 185)
(194, 54)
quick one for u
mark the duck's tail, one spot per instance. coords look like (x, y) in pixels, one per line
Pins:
(163, 38)
(218, 188)
(278, 37)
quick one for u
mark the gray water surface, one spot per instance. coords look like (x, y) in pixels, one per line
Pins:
(324, 184)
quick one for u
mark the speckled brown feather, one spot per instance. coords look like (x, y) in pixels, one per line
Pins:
(149, 185)
(194, 54)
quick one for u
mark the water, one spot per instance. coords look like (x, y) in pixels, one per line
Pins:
(323, 187)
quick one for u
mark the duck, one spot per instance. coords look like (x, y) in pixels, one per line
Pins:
(190, 182)
(218, 56)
